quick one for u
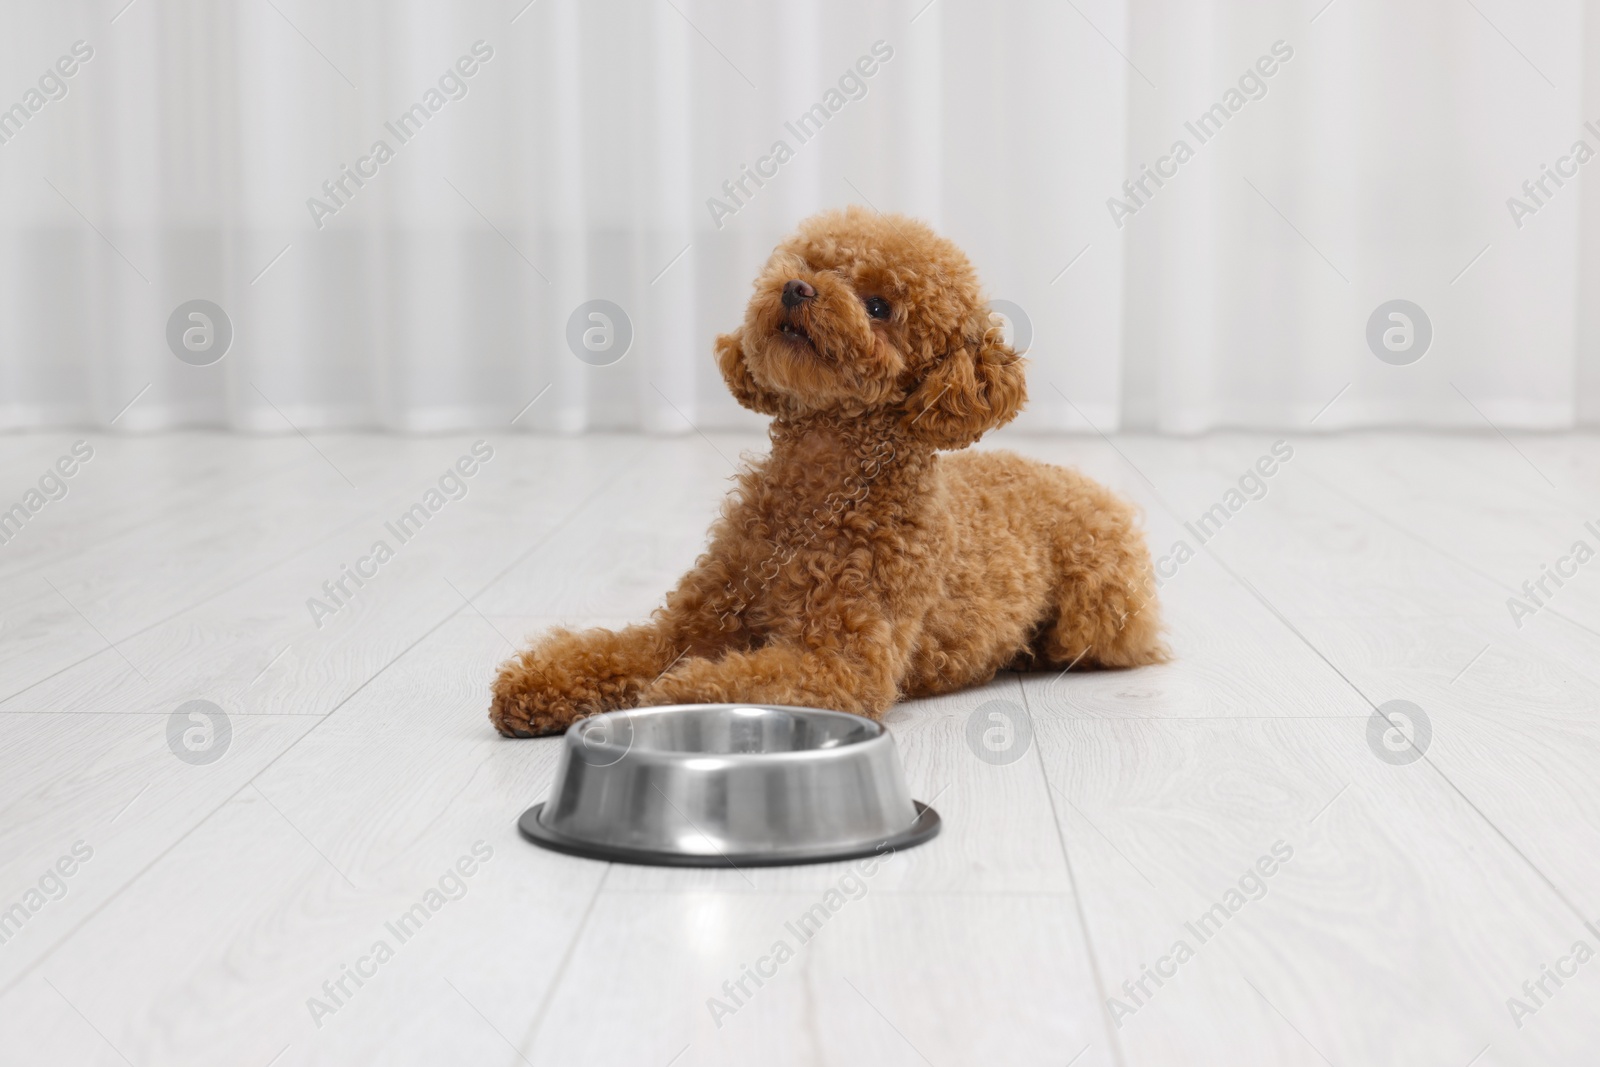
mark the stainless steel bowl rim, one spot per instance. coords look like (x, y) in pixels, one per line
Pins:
(880, 734)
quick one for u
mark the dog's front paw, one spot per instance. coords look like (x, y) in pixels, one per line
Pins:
(532, 700)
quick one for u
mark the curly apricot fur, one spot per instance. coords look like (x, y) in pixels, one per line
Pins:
(855, 566)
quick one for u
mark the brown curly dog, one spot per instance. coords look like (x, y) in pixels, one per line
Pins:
(854, 565)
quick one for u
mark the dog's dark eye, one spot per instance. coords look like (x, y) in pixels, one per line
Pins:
(877, 307)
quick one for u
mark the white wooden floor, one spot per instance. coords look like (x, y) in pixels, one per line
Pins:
(218, 898)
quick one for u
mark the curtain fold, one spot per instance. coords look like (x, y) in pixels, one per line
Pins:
(1376, 163)
(411, 213)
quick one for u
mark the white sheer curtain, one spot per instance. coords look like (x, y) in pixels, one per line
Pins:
(576, 161)
(1377, 166)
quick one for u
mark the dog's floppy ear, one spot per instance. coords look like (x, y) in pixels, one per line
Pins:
(736, 372)
(976, 387)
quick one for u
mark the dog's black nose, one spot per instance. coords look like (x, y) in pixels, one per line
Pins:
(795, 291)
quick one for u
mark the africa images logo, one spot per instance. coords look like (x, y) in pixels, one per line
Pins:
(852, 86)
(1252, 85)
(1251, 886)
(52, 86)
(199, 332)
(453, 85)
(453, 484)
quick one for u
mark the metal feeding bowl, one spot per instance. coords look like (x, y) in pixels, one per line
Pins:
(718, 785)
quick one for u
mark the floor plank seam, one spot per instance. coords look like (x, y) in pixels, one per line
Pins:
(246, 580)
(531, 1037)
(600, 489)
(1077, 898)
(1423, 757)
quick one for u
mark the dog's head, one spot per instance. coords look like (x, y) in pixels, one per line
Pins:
(858, 312)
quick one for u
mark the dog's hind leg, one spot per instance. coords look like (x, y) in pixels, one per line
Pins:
(1105, 612)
